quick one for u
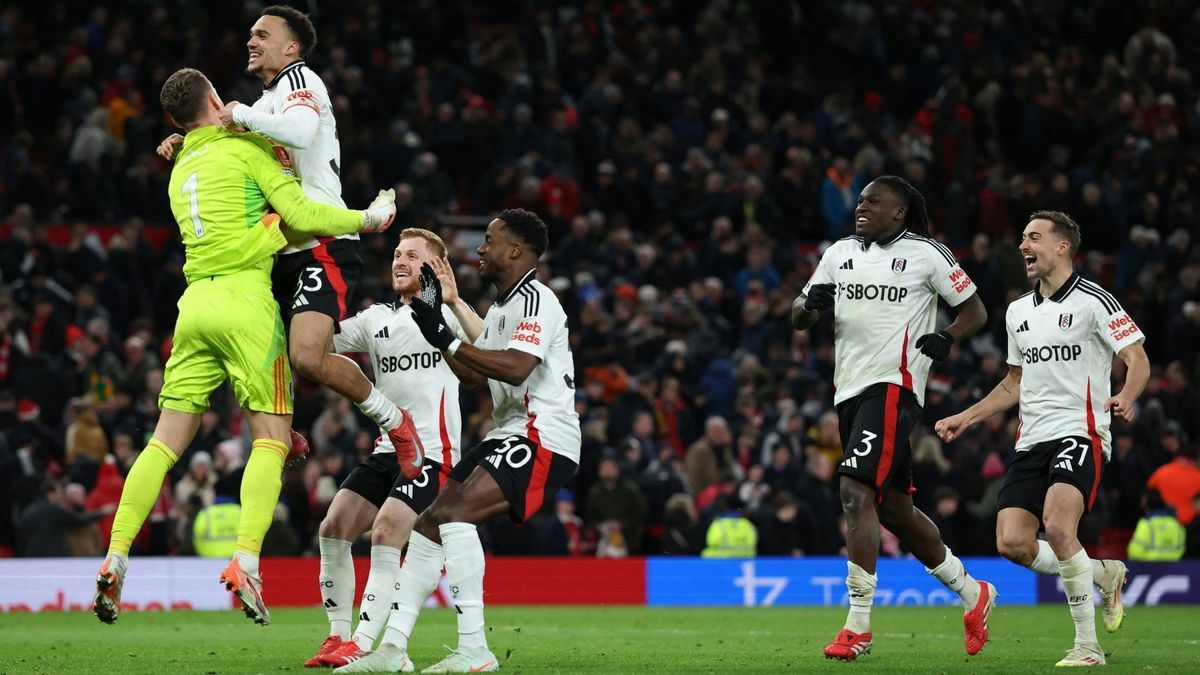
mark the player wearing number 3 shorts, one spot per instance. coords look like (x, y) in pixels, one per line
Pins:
(1061, 339)
(524, 352)
(883, 286)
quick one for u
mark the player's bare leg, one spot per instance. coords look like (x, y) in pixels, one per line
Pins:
(921, 536)
(309, 339)
(349, 516)
(1064, 507)
(1016, 539)
(475, 501)
(862, 549)
(389, 534)
(173, 432)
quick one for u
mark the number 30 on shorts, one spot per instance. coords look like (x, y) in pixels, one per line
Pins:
(514, 451)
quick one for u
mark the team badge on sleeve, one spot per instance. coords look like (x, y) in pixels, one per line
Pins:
(1064, 321)
(898, 264)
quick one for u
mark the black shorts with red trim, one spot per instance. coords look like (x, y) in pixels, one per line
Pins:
(1075, 460)
(875, 426)
(528, 473)
(378, 477)
(321, 279)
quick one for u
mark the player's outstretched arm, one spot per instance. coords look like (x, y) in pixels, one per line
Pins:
(511, 366)
(971, 317)
(1004, 396)
(307, 217)
(471, 322)
(1137, 374)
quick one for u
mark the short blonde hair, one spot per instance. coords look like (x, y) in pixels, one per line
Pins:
(439, 246)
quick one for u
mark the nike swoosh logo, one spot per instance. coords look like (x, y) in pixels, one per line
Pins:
(480, 669)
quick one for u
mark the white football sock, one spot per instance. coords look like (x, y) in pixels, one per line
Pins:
(248, 562)
(1047, 563)
(420, 574)
(337, 584)
(377, 596)
(464, 572)
(1077, 582)
(861, 589)
(953, 576)
(381, 410)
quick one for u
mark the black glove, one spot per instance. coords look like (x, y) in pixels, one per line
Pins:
(431, 288)
(433, 327)
(935, 345)
(820, 297)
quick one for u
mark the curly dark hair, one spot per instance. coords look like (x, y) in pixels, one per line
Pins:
(529, 227)
(297, 22)
(916, 217)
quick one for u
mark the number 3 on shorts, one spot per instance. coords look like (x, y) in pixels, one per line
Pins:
(867, 437)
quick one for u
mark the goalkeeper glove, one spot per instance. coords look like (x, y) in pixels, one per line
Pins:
(378, 216)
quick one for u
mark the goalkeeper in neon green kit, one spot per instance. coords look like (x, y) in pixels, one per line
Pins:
(229, 324)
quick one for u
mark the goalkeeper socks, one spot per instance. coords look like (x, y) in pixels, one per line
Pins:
(860, 587)
(953, 576)
(337, 584)
(377, 596)
(420, 574)
(381, 410)
(464, 572)
(248, 562)
(142, 487)
(260, 492)
(1077, 582)
(1047, 563)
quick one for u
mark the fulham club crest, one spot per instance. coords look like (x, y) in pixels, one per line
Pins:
(1064, 321)
(898, 265)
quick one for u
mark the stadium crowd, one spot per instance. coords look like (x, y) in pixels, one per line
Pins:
(692, 161)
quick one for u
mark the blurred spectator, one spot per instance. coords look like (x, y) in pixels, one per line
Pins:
(1178, 480)
(1159, 536)
(616, 506)
(707, 456)
(787, 530)
(45, 526)
(564, 533)
(730, 534)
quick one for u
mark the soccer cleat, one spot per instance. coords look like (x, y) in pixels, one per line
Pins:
(1110, 593)
(1083, 654)
(109, 581)
(387, 659)
(298, 451)
(346, 653)
(466, 660)
(327, 647)
(849, 645)
(248, 589)
(409, 451)
(975, 622)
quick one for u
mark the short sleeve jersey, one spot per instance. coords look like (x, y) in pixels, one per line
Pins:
(887, 294)
(1064, 346)
(410, 373)
(319, 165)
(530, 318)
(218, 191)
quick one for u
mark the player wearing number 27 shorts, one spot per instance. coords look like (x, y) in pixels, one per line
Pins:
(1062, 336)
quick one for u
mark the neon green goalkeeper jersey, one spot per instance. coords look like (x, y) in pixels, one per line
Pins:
(220, 189)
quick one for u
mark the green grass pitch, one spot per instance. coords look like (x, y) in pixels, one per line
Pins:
(604, 639)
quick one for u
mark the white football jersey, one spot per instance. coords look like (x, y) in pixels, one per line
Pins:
(410, 373)
(887, 294)
(319, 165)
(530, 318)
(1064, 346)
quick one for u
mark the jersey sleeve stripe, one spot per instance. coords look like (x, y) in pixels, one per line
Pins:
(533, 301)
(1110, 302)
(937, 246)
